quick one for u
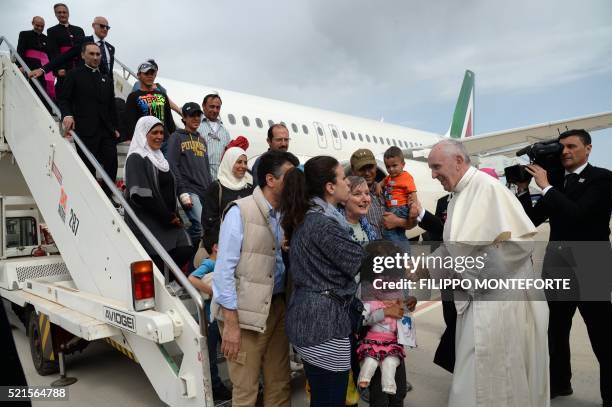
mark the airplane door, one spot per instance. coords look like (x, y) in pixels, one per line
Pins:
(321, 137)
(336, 140)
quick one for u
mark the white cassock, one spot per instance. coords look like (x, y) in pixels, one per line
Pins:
(501, 347)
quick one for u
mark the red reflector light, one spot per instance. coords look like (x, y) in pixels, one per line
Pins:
(143, 285)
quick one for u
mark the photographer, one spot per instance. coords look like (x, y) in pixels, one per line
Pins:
(578, 209)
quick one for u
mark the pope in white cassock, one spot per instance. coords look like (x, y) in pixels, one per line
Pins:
(501, 346)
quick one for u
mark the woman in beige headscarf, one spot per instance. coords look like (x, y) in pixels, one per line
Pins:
(234, 182)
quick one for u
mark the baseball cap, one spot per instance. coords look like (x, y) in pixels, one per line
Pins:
(146, 67)
(361, 158)
(190, 108)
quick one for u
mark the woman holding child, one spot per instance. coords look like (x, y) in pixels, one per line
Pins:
(324, 258)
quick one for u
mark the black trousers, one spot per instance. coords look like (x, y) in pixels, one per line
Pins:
(445, 353)
(597, 317)
(103, 146)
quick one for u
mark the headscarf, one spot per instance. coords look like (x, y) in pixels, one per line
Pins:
(226, 176)
(239, 141)
(368, 229)
(319, 205)
(140, 146)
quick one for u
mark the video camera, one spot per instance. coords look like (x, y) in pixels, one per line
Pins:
(546, 154)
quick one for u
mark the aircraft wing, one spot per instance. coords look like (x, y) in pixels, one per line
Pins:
(507, 142)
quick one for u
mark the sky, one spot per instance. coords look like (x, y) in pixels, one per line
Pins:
(402, 61)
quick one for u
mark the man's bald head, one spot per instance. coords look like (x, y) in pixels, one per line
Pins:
(448, 161)
(100, 27)
(38, 24)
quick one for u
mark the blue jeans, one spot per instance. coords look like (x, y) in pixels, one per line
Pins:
(396, 234)
(327, 388)
(213, 341)
(195, 218)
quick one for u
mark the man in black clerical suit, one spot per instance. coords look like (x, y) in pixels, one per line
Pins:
(107, 51)
(88, 107)
(32, 47)
(61, 38)
(578, 208)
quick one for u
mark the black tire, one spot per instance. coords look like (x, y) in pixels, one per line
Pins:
(42, 364)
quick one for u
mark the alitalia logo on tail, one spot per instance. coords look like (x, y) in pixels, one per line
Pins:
(462, 125)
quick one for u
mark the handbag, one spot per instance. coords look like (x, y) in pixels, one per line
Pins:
(353, 306)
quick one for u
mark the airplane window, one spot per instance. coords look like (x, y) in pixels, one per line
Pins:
(335, 133)
(283, 123)
(394, 143)
(231, 118)
(319, 131)
(245, 120)
(360, 137)
(375, 139)
(368, 138)
(352, 135)
(388, 142)
(270, 123)
(304, 129)
(294, 127)
(258, 122)
(344, 135)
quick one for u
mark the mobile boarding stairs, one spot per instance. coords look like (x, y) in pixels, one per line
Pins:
(96, 288)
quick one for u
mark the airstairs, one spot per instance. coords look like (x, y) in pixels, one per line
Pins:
(87, 289)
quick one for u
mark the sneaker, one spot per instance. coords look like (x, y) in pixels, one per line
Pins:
(222, 393)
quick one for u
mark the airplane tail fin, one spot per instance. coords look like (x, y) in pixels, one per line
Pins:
(462, 125)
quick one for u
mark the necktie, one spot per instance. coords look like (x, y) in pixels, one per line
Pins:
(570, 180)
(104, 59)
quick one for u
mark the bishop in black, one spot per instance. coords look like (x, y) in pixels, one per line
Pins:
(87, 103)
(61, 38)
(32, 47)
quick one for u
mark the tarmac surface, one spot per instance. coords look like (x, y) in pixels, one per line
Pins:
(106, 377)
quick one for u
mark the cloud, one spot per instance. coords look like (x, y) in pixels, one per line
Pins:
(361, 57)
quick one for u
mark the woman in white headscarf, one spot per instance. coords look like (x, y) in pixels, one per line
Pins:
(151, 193)
(234, 182)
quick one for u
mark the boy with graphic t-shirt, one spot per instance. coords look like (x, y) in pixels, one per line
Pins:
(148, 101)
(399, 192)
(201, 278)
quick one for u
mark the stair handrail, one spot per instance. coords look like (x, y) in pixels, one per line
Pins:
(157, 247)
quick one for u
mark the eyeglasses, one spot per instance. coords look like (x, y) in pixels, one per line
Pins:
(104, 26)
(284, 140)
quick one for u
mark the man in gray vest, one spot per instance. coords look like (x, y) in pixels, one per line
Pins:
(249, 289)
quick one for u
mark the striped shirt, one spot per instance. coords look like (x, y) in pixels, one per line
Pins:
(376, 210)
(333, 355)
(217, 138)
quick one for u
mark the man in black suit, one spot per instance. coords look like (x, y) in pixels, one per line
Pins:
(107, 51)
(88, 107)
(578, 209)
(61, 38)
(433, 224)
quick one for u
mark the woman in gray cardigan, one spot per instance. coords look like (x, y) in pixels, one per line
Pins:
(323, 257)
